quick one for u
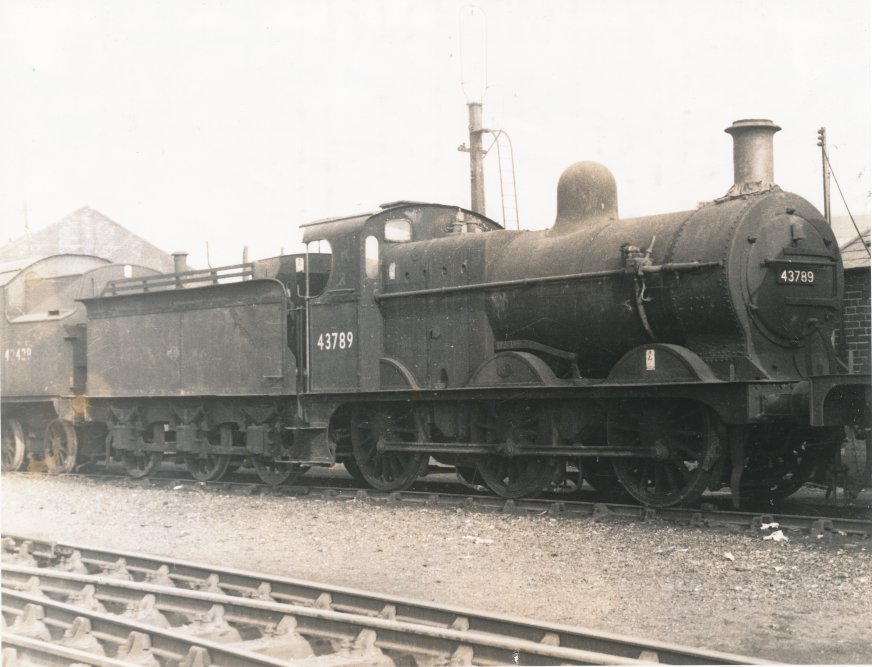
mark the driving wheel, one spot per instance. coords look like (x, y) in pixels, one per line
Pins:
(385, 470)
(688, 447)
(512, 426)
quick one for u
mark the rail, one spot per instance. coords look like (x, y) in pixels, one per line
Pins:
(309, 613)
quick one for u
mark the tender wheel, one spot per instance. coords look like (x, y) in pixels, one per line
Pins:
(385, 471)
(209, 467)
(683, 431)
(61, 446)
(779, 461)
(274, 473)
(13, 444)
(143, 463)
(516, 425)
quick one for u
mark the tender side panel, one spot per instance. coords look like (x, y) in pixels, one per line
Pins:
(134, 355)
(37, 360)
(220, 340)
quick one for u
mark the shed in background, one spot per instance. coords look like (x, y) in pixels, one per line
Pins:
(87, 232)
(853, 339)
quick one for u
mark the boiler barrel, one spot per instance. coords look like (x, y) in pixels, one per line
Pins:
(599, 311)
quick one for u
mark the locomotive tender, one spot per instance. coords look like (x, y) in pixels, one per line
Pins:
(662, 355)
(43, 329)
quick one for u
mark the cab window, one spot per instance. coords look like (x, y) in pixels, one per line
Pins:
(370, 254)
(398, 230)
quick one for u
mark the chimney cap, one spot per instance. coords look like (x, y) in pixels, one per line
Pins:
(752, 123)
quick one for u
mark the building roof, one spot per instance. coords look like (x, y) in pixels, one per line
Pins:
(846, 228)
(88, 232)
(855, 253)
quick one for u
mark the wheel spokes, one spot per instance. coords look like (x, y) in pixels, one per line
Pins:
(684, 430)
(60, 445)
(13, 444)
(384, 470)
(514, 425)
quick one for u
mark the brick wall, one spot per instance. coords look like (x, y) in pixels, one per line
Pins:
(856, 319)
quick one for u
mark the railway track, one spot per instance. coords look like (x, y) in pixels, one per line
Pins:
(67, 603)
(708, 515)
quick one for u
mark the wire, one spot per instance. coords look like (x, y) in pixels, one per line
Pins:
(839, 188)
(496, 134)
(473, 12)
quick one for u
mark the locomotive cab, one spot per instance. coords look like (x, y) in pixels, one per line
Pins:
(407, 250)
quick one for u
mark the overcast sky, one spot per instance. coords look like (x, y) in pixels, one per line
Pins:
(232, 122)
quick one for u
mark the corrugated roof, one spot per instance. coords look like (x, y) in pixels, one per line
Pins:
(846, 229)
(854, 252)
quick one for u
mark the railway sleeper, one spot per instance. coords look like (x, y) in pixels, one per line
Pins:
(241, 627)
(321, 611)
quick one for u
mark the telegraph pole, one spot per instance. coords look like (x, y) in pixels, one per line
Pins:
(473, 81)
(822, 142)
(476, 158)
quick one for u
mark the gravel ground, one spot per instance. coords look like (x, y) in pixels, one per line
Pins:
(806, 600)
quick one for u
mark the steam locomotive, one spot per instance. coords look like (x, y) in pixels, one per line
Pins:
(659, 356)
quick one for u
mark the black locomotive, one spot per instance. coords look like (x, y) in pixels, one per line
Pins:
(661, 356)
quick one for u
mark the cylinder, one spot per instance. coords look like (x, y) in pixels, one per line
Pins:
(752, 151)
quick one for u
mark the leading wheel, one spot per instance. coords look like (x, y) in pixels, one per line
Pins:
(13, 444)
(274, 473)
(684, 434)
(778, 460)
(513, 426)
(208, 467)
(857, 459)
(385, 470)
(61, 446)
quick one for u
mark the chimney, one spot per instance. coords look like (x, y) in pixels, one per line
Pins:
(180, 263)
(752, 156)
